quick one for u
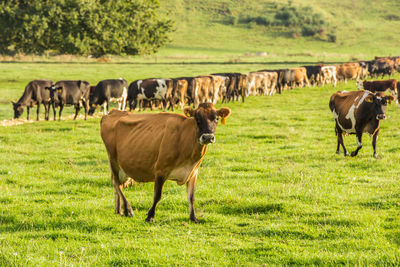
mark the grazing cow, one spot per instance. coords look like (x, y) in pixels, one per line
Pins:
(158, 147)
(235, 84)
(358, 112)
(328, 75)
(35, 94)
(285, 79)
(378, 86)
(69, 92)
(201, 86)
(272, 78)
(148, 89)
(348, 71)
(218, 85)
(256, 84)
(300, 77)
(114, 90)
(382, 66)
(364, 69)
(314, 74)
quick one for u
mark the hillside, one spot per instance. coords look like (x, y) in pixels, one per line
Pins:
(363, 28)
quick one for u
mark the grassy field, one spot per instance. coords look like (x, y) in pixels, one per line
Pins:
(270, 191)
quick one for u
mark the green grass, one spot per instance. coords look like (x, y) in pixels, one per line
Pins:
(364, 29)
(271, 190)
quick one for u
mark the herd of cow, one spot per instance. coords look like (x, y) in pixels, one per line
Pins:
(167, 146)
(192, 90)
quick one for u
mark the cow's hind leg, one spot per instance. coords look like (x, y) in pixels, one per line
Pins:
(190, 188)
(158, 186)
(119, 195)
(374, 138)
(340, 141)
(359, 144)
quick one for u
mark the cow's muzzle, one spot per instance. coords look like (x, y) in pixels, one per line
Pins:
(380, 116)
(207, 139)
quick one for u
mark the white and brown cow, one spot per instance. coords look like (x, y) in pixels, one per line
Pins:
(148, 89)
(158, 147)
(328, 75)
(358, 112)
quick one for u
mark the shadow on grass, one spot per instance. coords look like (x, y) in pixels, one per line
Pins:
(252, 209)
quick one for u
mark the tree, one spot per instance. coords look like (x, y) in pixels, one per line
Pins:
(94, 27)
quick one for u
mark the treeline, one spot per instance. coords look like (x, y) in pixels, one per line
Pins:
(299, 20)
(84, 27)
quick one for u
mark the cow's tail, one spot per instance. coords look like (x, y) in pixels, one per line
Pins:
(332, 102)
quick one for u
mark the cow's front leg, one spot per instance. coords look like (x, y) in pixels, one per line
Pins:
(359, 144)
(190, 188)
(37, 111)
(47, 111)
(27, 113)
(374, 138)
(60, 111)
(77, 108)
(158, 187)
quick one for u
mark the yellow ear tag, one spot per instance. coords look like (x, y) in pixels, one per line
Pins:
(368, 99)
(390, 101)
(59, 90)
(223, 120)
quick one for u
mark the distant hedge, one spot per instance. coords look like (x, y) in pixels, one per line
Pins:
(86, 27)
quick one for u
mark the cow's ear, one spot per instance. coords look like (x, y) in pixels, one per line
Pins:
(188, 111)
(369, 99)
(389, 99)
(47, 88)
(224, 113)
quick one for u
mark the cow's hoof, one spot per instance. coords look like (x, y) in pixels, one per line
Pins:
(346, 154)
(128, 213)
(353, 154)
(195, 220)
(337, 152)
(149, 219)
(375, 155)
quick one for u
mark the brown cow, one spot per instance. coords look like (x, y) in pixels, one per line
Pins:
(158, 147)
(300, 77)
(201, 87)
(179, 92)
(348, 71)
(358, 112)
(378, 86)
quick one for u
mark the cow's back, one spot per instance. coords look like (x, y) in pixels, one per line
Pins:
(144, 144)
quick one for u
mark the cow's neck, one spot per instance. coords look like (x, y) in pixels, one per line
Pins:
(25, 98)
(198, 150)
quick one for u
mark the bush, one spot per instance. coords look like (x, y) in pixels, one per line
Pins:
(95, 27)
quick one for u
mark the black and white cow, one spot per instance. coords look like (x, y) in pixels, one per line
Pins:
(112, 90)
(356, 113)
(148, 90)
(68, 92)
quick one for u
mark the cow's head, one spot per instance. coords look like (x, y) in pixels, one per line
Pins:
(206, 117)
(18, 109)
(54, 90)
(379, 102)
